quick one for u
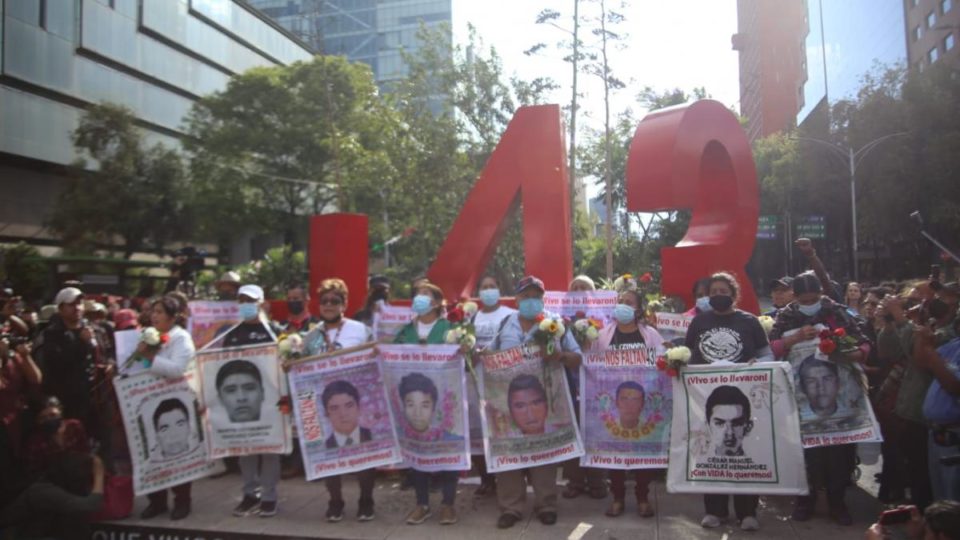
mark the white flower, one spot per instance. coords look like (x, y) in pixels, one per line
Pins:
(592, 333)
(766, 322)
(582, 324)
(291, 344)
(470, 309)
(679, 355)
(150, 336)
(470, 341)
(453, 336)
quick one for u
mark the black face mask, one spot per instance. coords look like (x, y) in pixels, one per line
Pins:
(295, 307)
(938, 309)
(721, 302)
(51, 426)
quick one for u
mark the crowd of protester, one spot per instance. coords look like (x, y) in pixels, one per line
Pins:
(61, 438)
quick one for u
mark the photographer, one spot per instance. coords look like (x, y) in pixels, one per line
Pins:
(183, 270)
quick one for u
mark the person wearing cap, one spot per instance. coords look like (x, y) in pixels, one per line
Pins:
(125, 319)
(379, 294)
(518, 329)
(781, 292)
(829, 467)
(260, 472)
(228, 286)
(299, 318)
(65, 354)
(722, 333)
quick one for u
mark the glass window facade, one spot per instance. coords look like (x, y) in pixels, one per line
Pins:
(945, 6)
(92, 52)
(948, 42)
(853, 37)
(931, 19)
(932, 55)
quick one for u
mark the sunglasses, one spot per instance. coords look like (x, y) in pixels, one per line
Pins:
(331, 302)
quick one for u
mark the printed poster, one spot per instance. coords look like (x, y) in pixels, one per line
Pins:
(597, 305)
(528, 414)
(127, 341)
(673, 326)
(736, 430)
(473, 411)
(210, 319)
(831, 397)
(342, 412)
(241, 388)
(164, 430)
(427, 388)
(626, 405)
(389, 320)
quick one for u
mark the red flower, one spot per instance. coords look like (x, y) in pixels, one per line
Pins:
(540, 317)
(827, 346)
(672, 372)
(840, 332)
(284, 405)
(455, 315)
(646, 278)
(579, 315)
(825, 334)
(164, 338)
(661, 364)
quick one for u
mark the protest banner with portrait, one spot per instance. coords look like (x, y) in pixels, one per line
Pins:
(528, 415)
(831, 397)
(673, 326)
(389, 320)
(626, 404)
(241, 389)
(735, 430)
(344, 421)
(474, 420)
(596, 305)
(427, 387)
(163, 424)
(210, 319)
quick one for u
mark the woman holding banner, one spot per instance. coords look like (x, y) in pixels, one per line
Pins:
(170, 360)
(723, 333)
(828, 466)
(486, 323)
(337, 332)
(630, 332)
(429, 328)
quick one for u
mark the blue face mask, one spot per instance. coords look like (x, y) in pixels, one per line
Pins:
(624, 314)
(810, 310)
(530, 307)
(421, 304)
(249, 311)
(703, 303)
(490, 297)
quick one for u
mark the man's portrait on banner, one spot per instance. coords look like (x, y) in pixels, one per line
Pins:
(728, 420)
(240, 389)
(527, 401)
(629, 400)
(341, 404)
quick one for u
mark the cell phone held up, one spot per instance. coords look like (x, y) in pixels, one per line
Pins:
(894, 517)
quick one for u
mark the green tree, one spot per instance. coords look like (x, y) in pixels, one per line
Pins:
(23, 269)
(130, 192)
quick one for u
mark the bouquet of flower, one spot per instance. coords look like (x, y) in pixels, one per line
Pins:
(549, 331)
(585, 330)
(836, 342)
(673, 360)
(290, 346)
(463, 332)
(766, 322)
(152, 338)
(626, 282)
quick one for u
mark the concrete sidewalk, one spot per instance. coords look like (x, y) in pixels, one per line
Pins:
(302, 507)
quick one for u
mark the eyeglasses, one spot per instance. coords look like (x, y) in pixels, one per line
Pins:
(330, 301)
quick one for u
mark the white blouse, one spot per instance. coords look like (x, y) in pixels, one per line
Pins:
(175, 356)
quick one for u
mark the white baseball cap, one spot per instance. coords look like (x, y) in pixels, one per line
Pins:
(251, 291)
(68, 295)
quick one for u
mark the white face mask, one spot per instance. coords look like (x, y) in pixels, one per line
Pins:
(703, 303)
(810, 310)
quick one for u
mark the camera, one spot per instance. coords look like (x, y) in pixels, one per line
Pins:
(187, 261)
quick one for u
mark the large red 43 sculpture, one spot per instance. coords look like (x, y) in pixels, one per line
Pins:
(692, 157)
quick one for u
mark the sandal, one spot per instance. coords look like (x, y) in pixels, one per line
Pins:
(645, 510)
(615, 510)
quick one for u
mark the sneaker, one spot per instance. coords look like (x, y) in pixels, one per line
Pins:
(249, 506)
(268, 509)
(710, 521)
(334, 513)
(749, 523)
(547, 518)
(448, 515)
(418, 515)
(180, 511)
(485, 490)
(507, 520)
(365, 512)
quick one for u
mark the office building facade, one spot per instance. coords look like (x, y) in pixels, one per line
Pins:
(370, 31)
(933, 27)
(155, 57)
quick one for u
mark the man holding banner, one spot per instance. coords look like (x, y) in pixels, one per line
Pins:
(528, 407)
(830, 391)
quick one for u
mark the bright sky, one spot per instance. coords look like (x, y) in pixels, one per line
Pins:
(670, 44)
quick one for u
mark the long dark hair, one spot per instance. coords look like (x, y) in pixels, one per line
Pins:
(173, 305)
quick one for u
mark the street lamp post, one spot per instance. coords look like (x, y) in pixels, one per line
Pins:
(853, 159)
